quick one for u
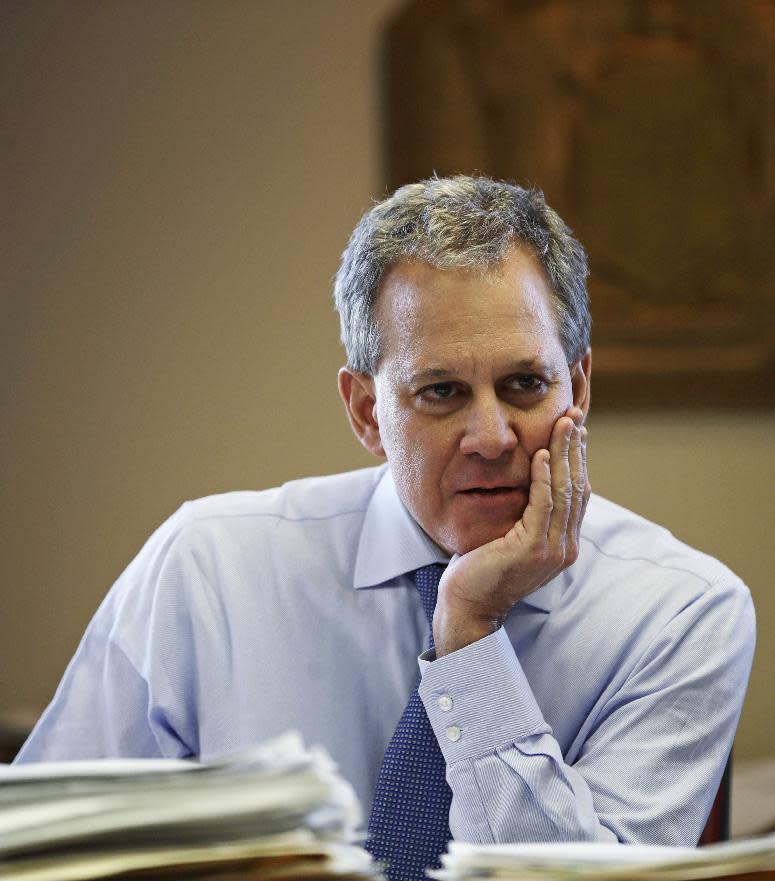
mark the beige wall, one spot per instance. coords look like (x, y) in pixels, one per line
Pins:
(181, 177)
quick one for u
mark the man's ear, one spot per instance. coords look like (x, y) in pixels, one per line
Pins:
(360, 401)
(580, 373)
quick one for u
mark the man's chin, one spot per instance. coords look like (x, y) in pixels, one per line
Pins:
(486, 519)
(465, 539)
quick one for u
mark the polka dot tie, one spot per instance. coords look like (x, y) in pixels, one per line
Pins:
(409, 823)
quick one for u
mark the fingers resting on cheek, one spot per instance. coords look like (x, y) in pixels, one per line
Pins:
(560, 487)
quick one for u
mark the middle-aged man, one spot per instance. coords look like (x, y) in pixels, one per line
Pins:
(584, 672)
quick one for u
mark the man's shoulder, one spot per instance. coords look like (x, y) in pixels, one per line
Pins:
(306, 499)
(232, 531)
(616, 535)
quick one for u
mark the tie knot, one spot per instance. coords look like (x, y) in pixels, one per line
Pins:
(427, 578)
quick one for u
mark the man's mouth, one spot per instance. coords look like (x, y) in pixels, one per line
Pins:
(490, 490)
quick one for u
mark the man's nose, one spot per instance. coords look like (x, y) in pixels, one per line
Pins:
(489, 429)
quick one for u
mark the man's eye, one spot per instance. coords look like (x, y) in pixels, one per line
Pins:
(439, 391)
(526, 383)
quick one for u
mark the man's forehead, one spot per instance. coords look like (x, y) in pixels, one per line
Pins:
(434, 321)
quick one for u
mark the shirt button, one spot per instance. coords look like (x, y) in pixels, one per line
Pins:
(453, 733)
(445, 702)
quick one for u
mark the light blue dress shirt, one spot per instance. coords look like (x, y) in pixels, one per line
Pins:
(603, 709)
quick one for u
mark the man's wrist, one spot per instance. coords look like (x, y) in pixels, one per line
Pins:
(454, 630)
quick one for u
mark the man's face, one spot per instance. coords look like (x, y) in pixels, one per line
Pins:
(471, 379)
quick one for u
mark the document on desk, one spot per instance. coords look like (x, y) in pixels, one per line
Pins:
(276, 811)
(605, 862)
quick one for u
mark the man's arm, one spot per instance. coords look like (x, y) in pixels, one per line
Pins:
(122, 694)
(650, 756)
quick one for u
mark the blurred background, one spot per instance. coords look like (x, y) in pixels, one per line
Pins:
(178, 181)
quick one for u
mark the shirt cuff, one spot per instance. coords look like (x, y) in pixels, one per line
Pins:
(478, 698)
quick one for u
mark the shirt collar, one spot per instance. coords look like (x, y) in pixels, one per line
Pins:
(392, 544)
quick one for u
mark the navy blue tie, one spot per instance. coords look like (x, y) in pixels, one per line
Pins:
(409, 823)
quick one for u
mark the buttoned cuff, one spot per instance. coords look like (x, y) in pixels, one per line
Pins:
(478, 698)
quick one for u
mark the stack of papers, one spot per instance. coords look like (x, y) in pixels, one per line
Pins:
(278, 811)
(751, 858)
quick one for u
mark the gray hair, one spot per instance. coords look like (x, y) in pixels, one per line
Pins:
(457, 223)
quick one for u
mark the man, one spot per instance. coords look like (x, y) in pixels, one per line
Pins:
(584, 672)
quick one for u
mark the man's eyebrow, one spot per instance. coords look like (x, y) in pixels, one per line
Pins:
(431, 373)
(524, 365)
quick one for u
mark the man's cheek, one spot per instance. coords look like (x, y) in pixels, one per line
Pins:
(537, 434)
